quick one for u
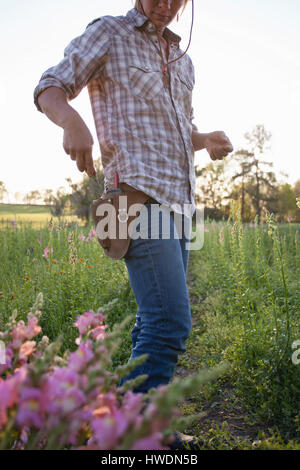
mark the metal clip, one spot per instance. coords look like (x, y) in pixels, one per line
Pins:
(123, 216)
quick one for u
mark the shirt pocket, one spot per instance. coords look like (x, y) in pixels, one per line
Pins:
(185, 83)
(145, 82)
(183, 91)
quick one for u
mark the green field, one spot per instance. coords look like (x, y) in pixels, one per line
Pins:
(35, 215)
(244, 287)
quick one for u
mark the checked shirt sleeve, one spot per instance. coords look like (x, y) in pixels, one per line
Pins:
(192, 117)
(83, 59)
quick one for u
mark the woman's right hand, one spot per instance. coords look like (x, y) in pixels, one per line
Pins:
(78, 143)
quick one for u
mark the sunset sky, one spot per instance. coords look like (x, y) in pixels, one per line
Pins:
(246, 57)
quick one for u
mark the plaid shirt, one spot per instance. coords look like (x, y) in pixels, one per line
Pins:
(144, 129)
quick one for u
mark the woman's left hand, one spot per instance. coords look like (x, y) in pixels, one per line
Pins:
(218, 145)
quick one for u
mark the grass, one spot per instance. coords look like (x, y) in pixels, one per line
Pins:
(244, 287)
(244, 290)
(69, 288)
(34, 215)
(19, 209)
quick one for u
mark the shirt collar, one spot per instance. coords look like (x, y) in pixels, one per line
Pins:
(142, 23)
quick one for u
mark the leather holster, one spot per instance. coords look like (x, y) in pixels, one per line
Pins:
(113, 220)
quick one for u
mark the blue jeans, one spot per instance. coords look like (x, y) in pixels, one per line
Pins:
(157, 273)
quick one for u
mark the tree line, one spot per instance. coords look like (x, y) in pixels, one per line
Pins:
(245, 177)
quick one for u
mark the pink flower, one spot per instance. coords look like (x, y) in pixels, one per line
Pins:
(87, 239)
(7, 398)
(19, 333)
(108, 430)
(150, 443)
(106, 403)
(33, 328)
(63, 391)
(98, 332)
(132, 404)
(26, 350)
(76, 421)
(79, 358)
(9, 390)
(22, 332)
(87, 320)
(24, 435)
(72, 400)
(63, 378)
(47, 251)
(206, 229)
(110, 423)
(90, 236)
(30, 408)
(103, 433)
(8, 359)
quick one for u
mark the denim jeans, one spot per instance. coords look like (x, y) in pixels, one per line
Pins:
(157, 272)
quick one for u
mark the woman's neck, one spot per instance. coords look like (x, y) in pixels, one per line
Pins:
(160, 31)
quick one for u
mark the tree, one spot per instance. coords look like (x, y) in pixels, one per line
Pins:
(263, 185)
(32, 197)
(286, 205)
(84, 192)
(244, 160)
(239, 193)
(255, 184)
(58, 202)
(48, 196)
(245, 177)
(3, 191)
(17, 197)
(212, 188)
(296, 189)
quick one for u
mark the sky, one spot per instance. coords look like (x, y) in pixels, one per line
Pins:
(246, 56)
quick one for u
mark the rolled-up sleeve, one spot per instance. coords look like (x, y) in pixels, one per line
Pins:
(83, 60)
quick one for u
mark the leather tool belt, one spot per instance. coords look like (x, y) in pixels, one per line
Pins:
(113, 217)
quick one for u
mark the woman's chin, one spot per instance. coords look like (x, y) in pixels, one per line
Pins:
(160, 21)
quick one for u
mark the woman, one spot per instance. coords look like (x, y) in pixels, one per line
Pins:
(140, 86)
